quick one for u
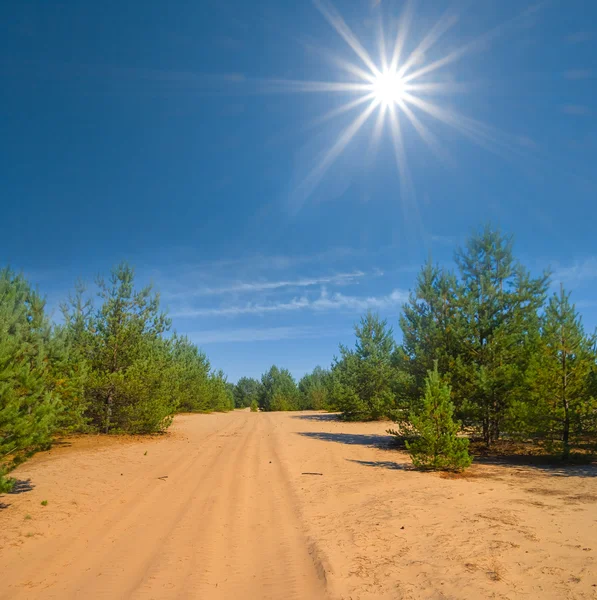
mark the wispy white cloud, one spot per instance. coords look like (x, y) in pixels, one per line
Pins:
(325, 302)
(264, 334)
(448, 240)
(579, 74)
(579, 272)
(267, 263)
(576, 109)
(586, 304)
(263, 286)
(579, 36)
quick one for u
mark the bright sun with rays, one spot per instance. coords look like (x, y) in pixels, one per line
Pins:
(388, 88)
(399, 88)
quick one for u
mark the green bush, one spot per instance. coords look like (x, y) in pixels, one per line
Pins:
(437, 446)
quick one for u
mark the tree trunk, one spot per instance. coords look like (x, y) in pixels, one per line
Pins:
(486, 431)
(109, 400)
(566, 432)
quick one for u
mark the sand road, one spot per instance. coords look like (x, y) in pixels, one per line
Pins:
(220, 507)
(222, 524)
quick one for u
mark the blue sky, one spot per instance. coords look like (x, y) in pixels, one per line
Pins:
(175, 137)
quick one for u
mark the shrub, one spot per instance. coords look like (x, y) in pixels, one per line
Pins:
(437, 446)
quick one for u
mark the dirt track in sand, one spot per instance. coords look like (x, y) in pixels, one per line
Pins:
(237, 518)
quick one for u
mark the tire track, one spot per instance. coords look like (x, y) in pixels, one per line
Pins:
(223, 525)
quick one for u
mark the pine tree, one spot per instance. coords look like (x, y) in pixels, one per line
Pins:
(437, 446)
(68, 373)
(222, 398)
(498, 306)
(127, 390)
(246, 391)
(363, 385)
(29, 409)
(278, 390)
(314, 389)
(565, 368)
(430, 323)
(190, 376)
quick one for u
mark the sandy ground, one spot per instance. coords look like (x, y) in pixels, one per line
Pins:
(220, 507)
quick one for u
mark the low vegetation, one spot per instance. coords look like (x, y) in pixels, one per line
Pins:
(436, 444)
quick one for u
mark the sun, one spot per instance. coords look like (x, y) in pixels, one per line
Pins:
(388, 88)
(398, 90)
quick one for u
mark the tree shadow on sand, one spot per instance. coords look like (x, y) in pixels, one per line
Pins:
(384, 442)
(21, 486)
(545, 464)
(383, 464)
(319, 417)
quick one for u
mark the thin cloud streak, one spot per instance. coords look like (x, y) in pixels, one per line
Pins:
(579, 74)
(579, 37)
(265, 334)
(262, 286)
(578, 272)
(326, 302)
(576, 109)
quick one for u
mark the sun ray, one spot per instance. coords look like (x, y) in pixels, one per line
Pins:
(407, 194)
(427, 136)
(377, 130)
(441, 27)
(352, 68)
(346, 107)
(382, 44)
(439, 87)
(469, 47)
(401, 34)
(315, 175)
(344, 64)
(293, 85)
(376, 135)
(478, 132)
(332, 16)
(398, 144)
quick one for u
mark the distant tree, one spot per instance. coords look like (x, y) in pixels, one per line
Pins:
(246, 391)
(222, 398)
(278, 390)
(364, 378)
(437, 445)
(190, 374)
(314, 390)
(29, 408)
(254, 406)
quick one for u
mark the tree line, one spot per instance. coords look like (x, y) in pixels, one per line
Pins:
(111, 366)
(514, 359)
(485, 350)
